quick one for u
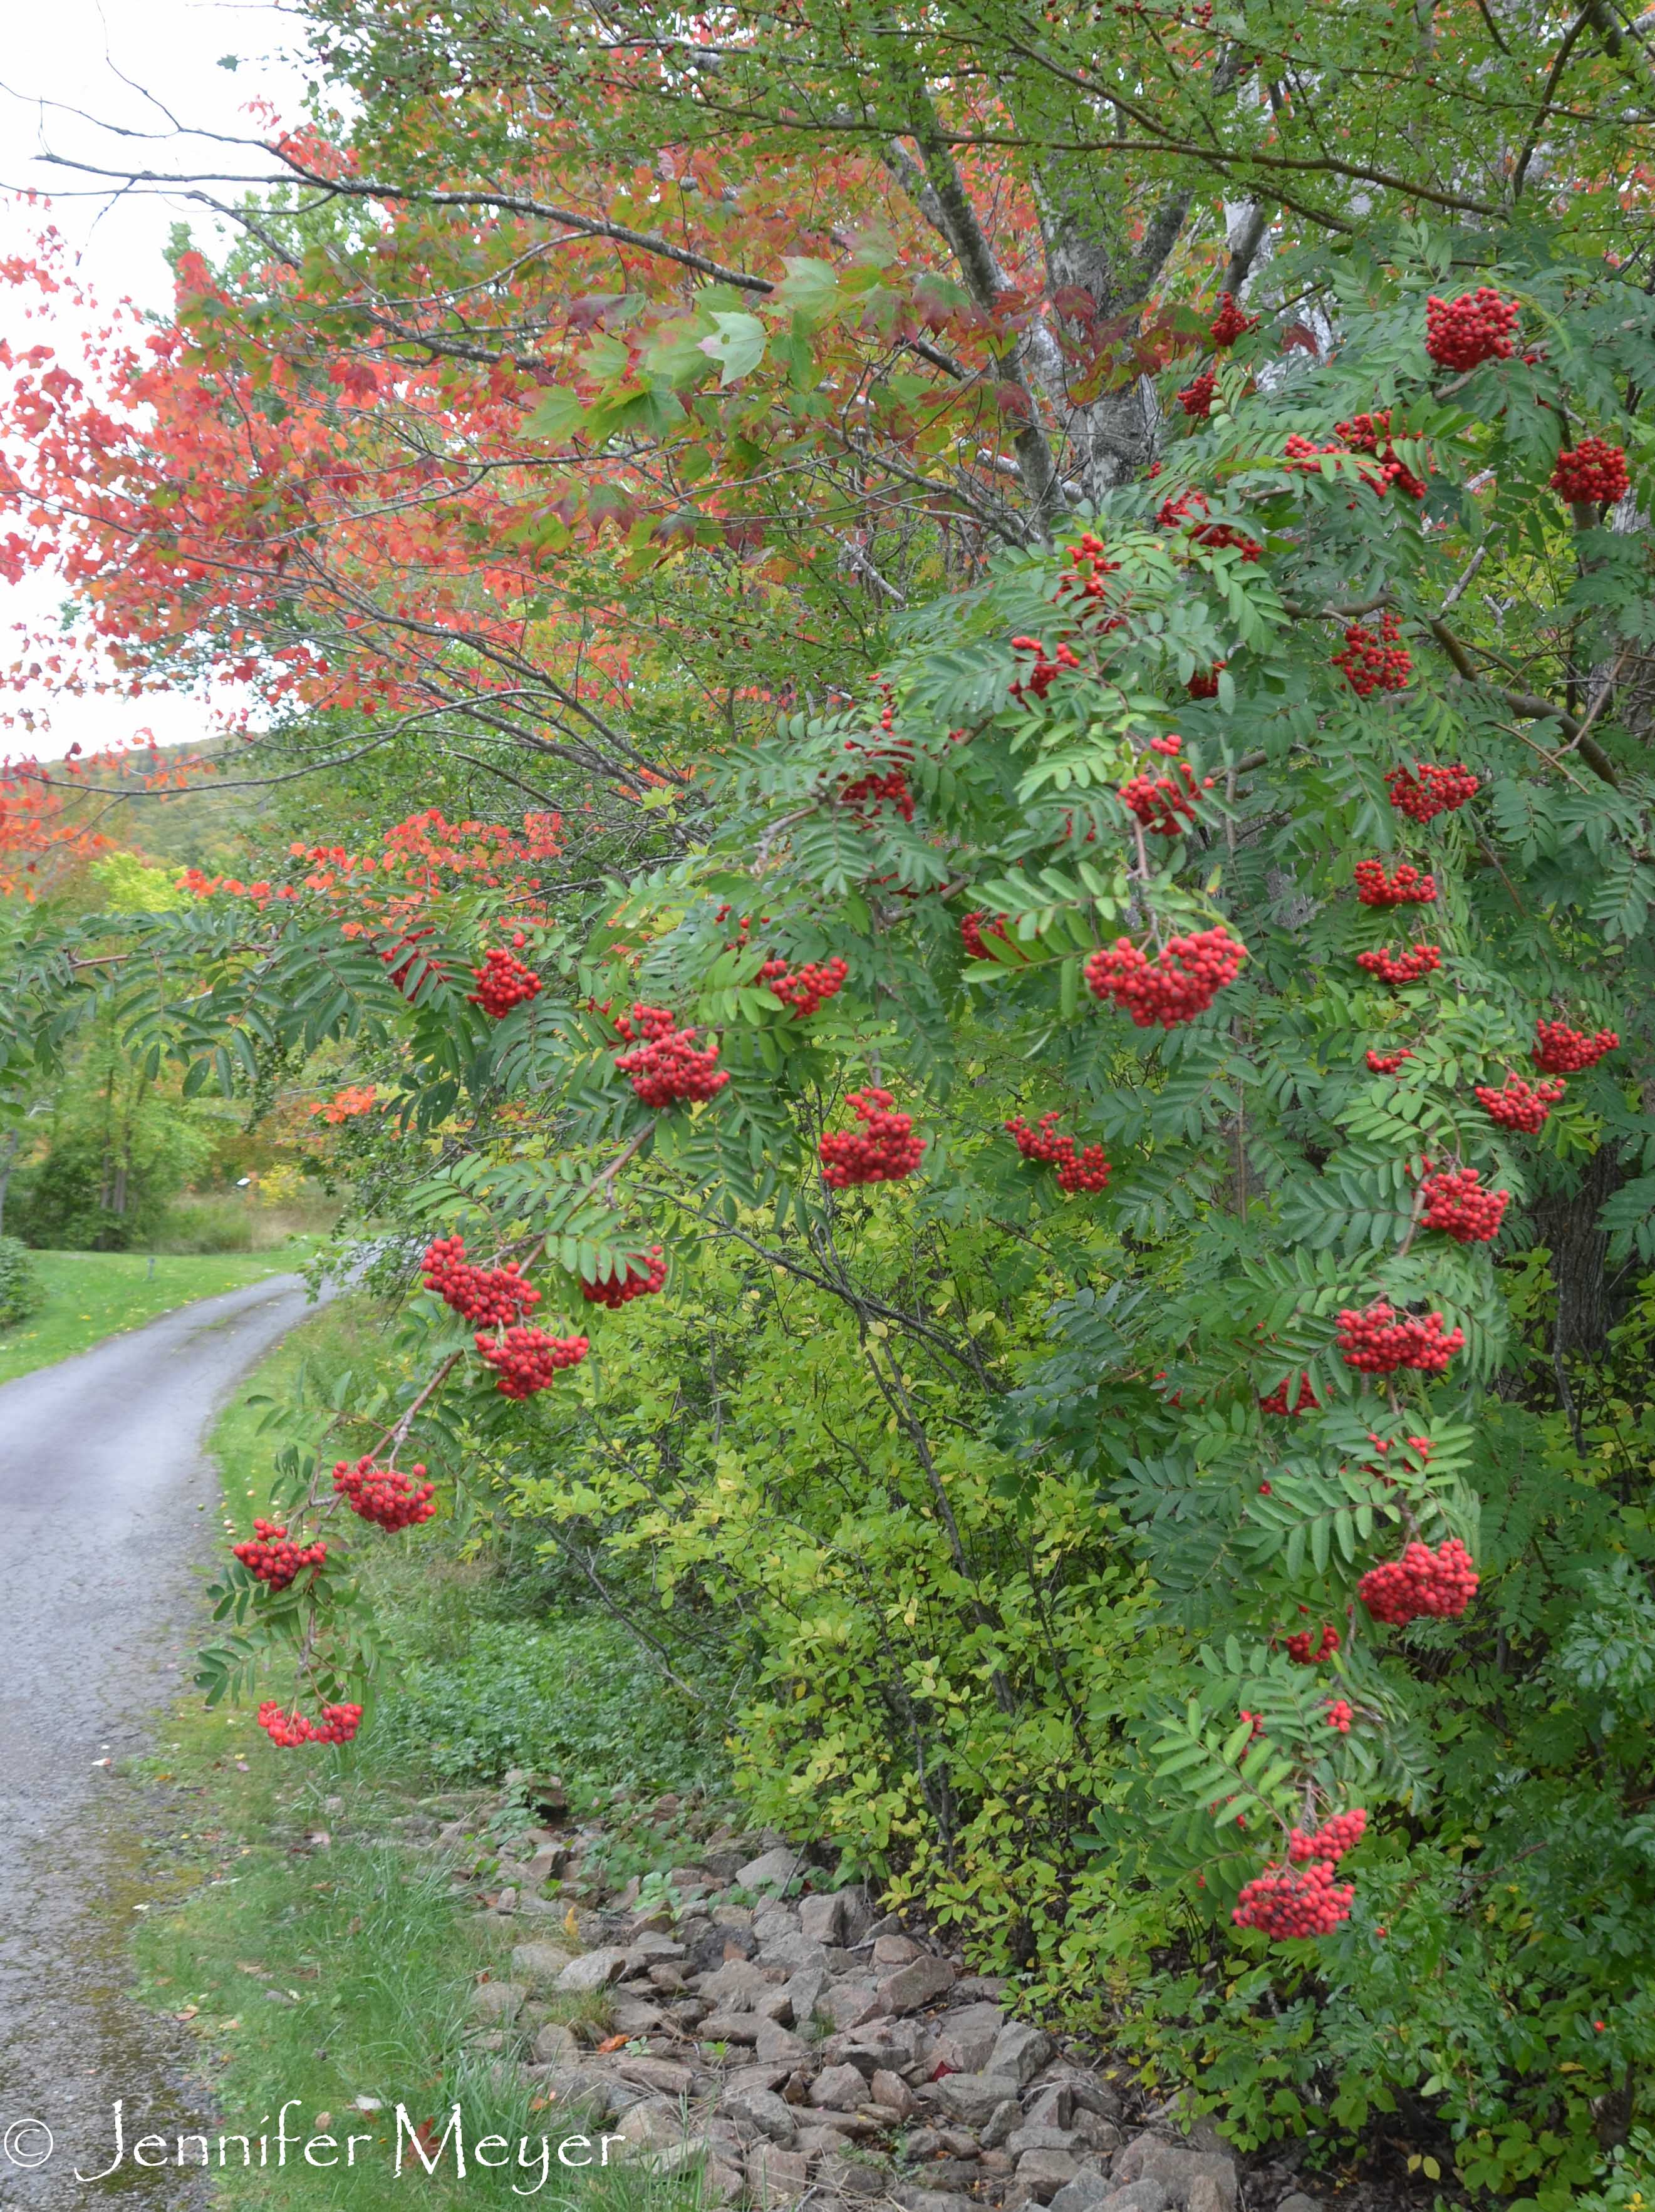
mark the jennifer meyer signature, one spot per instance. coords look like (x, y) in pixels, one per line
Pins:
(28, 2144)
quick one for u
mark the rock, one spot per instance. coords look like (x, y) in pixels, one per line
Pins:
(666, 2077)
(1028, 2138)
(777, 2005)
(840, 2088)
(1041, 2174)
(1299, 2202)
(555, 2045)
(596, 1970)
(777, 2045)
(774, 1919)
(717, 2181)
(964, 2039)
(851, 2176)
(634, 2016)
(730, 2027)
(1204, 2194)
(1086, 2191)
(896, 1950)
(805, 1989)
(668, 1978)
(734, 1986)
(572, 2088)
(776, 2177)
(916, 2198)
(654, 2124)
(733, 1916)
(920, 1982)
(498, 2002)
(545, 1866)
(648, 1949)
(792, 1950)
(762, 2109)
(973, 2097)
(1051, 2107)
(772, 1870)
(539, 1964)
(1003, 2123)
(822, 1919)
(849, 2004)
(893, 2094)
(1178, 2171)
(1021, 2051)
(1144, 2196)
(948, 2174)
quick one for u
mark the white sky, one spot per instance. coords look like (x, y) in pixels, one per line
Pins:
(76, 53)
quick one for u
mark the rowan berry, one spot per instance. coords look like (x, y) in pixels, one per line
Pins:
(1339, 1714)
(1386, 1063)
(667, 1065)
(1407, 887)
(338, 1724)
(1592, 471)
(1165, 803)
(867, 796)
(1076, 1169)
(526, 1359)
(1456, 1203)
(974, 927)
(480, 1295)
(883, 1150)
(1305, 1403)
(1400, 969)
(1379, 1340)
(1331, 1840)
(1304, 1653)
(271, 1557)
(1372, 434)
(1186, 507)
(1422, 1584)
(1046, 670)
(1520, 1105)
(1427, 790)
(1284, 1904)
(1204, 684)
(1475, 328)
(1559, 1050)
(1182, 982)
(503, 982)
(1374, 661)
(1089, 565)
(1230, 324)
(804, 988)
(640, 1278)
(1196, 396)
(383, 1495)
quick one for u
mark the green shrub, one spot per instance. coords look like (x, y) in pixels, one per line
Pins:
(22, 1291)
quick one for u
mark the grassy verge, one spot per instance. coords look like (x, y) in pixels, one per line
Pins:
(92, 1295)
(297, 1919)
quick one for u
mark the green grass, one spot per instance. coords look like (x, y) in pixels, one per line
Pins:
(330, 1972)
(92, 1295)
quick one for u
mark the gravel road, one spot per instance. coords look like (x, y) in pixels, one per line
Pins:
(106, 1501)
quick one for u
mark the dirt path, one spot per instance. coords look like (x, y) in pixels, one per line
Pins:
(106, 1501)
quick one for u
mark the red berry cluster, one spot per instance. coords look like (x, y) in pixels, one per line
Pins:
(272, 1557)
(804, 988)
(1386, 1063)
(1331, 1840)
(974, 926)
(1380, 1340)
(1559, 1050)
(491, 1296)
(1520, 1105)
(1407, 887)
(1456, 1203)
(1305, 1403)
(1284, 1904)
(338, 1724)
(1204, 684)
(1196, 396)
(502, 982)
(869, 795)
(1185, 507)
(409, 966)
(1304, 1653)
(1180, 983)
(883, 1150)
(1590, 471)
(1230, 324)
(640, 1277)
(1076, 1169)
(1427, 790)
(1046, 670)
(1401, 967)
(1371, 433)
(1475, 328)
(526, 1359)
(1089, 564)
(383, 1495)
(1373, 660)
(1340, 1715)
(1164, 803)
(667, 1065)
(1433, 1585)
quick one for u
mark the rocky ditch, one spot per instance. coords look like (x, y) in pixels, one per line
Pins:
(790, 2042)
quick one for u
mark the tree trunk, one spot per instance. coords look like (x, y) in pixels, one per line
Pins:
(1590, 1296)
(9, 1146)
